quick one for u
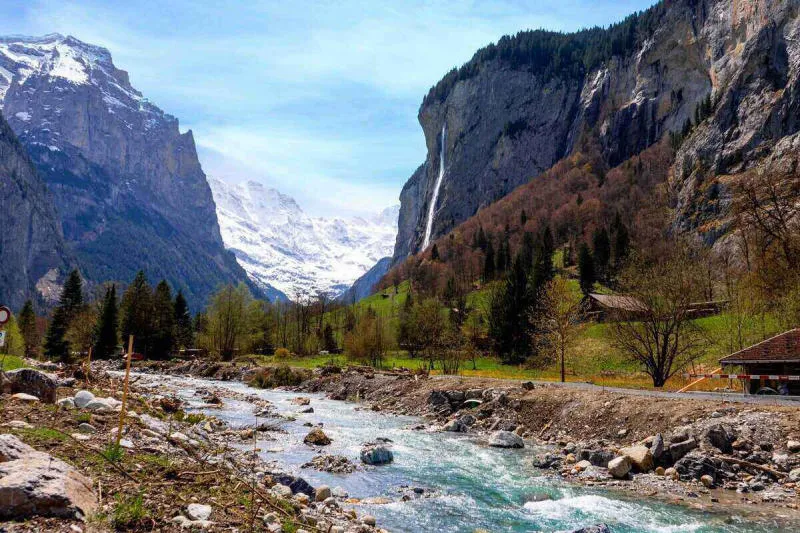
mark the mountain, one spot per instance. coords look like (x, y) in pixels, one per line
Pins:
(126, 182)
(33, 258)
(366, 284)
(284, 249)
(717, 78)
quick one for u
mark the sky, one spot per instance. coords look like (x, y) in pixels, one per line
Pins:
(318, 99)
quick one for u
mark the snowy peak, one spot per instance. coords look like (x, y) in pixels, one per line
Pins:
(279, 245)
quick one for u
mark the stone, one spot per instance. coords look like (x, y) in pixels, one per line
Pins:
(17, 424)
(31, 382)
(659, 471)
(302, 498)
(376, 454)
(126, 443)
(23, 397)
(307, 410)
(317, 437)
(694, 465)
(323, 493)
(794, 475)
(82, 398)
(301, 401)
(271, 518)
(86, 428)
(721, 437)
(597, 528)
(197, 511)
(622, 432)
(297, 485)
(455, 426)
(582, 465)
(66, 403)
(596, 457)
(671, 473)
(707, 481)
(657, 446)
(678, 449)
(640, 456)
(369, 520)
(793, 446)
(619, 466)
(282, 490)
(506, 439)
(33, 483)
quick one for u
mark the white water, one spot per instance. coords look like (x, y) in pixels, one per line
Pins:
(432, 207)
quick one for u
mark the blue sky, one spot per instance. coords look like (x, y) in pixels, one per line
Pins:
(318, 99)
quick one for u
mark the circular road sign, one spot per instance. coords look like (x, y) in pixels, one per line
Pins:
(5, 314)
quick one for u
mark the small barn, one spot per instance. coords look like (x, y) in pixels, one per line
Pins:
(607, 306)
(770, 365)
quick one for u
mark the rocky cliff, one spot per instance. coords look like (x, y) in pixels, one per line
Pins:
(718, 75)
(127, 183)
(33, 257)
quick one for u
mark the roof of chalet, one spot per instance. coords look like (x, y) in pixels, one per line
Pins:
(620, 302)
(778, 349)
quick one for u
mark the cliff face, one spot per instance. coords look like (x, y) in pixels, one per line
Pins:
(508, 119)
(127, 183)
(32, 253)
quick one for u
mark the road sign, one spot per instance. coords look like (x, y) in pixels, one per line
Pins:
(5, 314)
(2, 338)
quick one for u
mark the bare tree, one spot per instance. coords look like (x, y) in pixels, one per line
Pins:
(560, 316)
(657, 330)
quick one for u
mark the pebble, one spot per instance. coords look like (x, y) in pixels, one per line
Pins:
(197, 511)
(86, 428)
(369, 520)
(17, 424)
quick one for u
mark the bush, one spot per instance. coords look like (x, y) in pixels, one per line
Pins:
(280, 376)
(282, 353)
(128, 512)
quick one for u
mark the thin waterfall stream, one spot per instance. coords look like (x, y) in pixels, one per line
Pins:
(435, 198)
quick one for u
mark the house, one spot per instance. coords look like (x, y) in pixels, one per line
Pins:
(603, 306)
(771, 364)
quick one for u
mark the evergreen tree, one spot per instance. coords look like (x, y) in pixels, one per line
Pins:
(27, 327)
(601, 252)
(586, 269)
(523, 218)
(163, 336)
(434, 252)
(543, 270)
(107, 327)
(488, 262)
(184, 330)
(500, 265)
(70, 303)
(509, 316)
(528, 250)
(137, 314)
(329, 341)
(621, 241)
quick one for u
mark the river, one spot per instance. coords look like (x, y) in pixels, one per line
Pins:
(473, 486)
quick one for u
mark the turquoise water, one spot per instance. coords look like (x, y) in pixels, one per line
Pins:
(472, 486)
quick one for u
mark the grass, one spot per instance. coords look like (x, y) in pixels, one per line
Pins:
(128, 511)
(36, 436)
(113, 452)
(11, 362)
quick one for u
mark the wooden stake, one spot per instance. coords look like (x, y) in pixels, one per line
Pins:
(88, 364)
(125, 389)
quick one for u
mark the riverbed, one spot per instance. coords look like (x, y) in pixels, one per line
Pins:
(466, 485)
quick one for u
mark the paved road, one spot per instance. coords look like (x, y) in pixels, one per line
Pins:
(791, 401)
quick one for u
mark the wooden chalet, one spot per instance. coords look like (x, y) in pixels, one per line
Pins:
(602, 307)
(773, 364)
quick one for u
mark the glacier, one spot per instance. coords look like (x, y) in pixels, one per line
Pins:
(281, 246)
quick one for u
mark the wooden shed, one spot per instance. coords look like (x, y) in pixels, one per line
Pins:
(773, 364)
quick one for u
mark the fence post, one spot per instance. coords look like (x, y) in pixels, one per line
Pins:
(125, 389)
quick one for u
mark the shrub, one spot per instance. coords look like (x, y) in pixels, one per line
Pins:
(280, 376)
(128, 512)
(282, 353)
(113, 452)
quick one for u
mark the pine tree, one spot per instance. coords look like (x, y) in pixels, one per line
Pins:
(543, 270)
(509, 316)
(586, 269)
(601, 252)
(488, 262)
(523, 218)
(27, 327)
(621, 241)
(184, 329)
(434, 252)
(329, 341)
(500, 265)
(107, 327)
(70, 303)
(136, 313)
(163, 336)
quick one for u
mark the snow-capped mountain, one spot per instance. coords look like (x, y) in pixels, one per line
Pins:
(279, 245)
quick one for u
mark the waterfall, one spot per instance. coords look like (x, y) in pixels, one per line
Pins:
(432, 207)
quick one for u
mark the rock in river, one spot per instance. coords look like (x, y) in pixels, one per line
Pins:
(619, 466)
(506, 439)
(317, 437)
(376, 454)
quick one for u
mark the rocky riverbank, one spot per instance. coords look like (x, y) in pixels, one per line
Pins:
(60, 469)
(705, 454)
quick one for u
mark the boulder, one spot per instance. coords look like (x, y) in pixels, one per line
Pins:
(317, 437)
(794, 475)
(369, 520)
(619, 466)
(597, 528)
(793, 446)
(455, 426)
(33, 483)
(197, 511)
(86, 428)
(66, 403)
(82, 398)
(99, 404)
(695, 465)
(297, 485)
(322, 493)
(376, 454)
(30, 381)
(640, 456)
(596, 457)
(707, 481)
(721, 437)
(678, 449)
(657, 446)
(506, 439)
(436, 397)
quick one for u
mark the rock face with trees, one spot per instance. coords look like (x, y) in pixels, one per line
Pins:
(716, 79)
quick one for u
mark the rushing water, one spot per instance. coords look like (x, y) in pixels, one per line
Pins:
(473, 486)
(432, 208)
